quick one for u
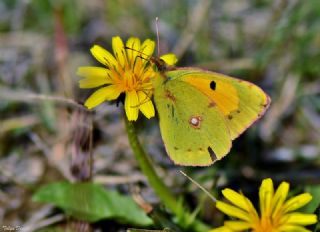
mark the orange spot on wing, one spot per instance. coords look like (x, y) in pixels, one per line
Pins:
(170, 96)
(212, 104)
(224, 95)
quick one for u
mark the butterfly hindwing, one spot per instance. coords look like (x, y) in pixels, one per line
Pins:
(193, 129)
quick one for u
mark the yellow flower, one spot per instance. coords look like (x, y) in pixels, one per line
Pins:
(276, 211)
(125, 72)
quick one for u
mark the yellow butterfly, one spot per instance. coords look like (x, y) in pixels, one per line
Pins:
(201, 112)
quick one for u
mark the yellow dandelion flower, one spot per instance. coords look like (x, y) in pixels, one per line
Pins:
(125, 72)
(276, 211)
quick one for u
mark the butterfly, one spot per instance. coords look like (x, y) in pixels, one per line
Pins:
(201, 112)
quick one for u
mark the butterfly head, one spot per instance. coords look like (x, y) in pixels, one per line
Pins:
(160, 64)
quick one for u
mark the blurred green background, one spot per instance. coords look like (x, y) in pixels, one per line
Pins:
(274, 44)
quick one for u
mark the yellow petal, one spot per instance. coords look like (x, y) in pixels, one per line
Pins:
(294, 228)
(93, 72)
(169, 58)
(279, 197)
(297, 202)
(103, 94)
(133, 43)
(118, 50)
(103, 56)
(221, 229)
(299, 219)
(237, 225)
(233, 211)
(265, 195)
(148, 87)
(237, 199)
(146, 105)
(91, 83)
(147, 48)
(131, 105)
(94, 77)
(147, 74)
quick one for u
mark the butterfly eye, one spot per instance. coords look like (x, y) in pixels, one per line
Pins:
(213, 85)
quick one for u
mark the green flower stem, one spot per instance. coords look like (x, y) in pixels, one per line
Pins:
(146, 166)
(165, 195)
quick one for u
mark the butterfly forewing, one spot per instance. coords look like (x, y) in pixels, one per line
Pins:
(241, 102)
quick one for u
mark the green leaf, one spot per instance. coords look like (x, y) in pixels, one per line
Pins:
(314, 190)
(91, 202)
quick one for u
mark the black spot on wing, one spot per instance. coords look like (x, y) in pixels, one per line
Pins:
(213, 85)
(212, 154)
(172, 111)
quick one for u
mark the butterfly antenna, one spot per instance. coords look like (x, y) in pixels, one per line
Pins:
(141, 53)
(199, 186)
(148, 97)
(158, 38)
